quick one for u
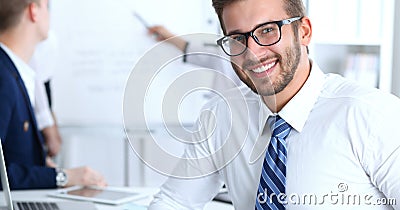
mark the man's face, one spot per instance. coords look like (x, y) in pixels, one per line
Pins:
(267, 70)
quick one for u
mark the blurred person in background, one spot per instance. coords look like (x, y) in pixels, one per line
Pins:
(25, 23)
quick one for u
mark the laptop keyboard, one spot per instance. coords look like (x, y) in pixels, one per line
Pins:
(37, 206)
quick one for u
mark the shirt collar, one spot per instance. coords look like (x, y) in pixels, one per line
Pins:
(296, 111)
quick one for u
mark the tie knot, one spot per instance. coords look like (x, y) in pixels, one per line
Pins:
(279, 127)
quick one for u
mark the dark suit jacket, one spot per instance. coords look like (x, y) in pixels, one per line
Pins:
(22, 141)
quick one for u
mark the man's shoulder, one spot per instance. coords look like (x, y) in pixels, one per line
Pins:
(6, 64)
(8, 82)
(351, 92)
(7, 78)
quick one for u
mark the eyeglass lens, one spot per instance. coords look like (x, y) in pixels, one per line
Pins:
(266, 34)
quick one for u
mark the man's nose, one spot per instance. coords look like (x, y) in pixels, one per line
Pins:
(253, 48)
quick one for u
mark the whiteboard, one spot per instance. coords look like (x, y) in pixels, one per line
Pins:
(100, 41)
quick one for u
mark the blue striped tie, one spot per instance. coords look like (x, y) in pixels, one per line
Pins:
(273, 175)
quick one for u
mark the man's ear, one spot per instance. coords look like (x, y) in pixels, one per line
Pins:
(305, 31)
(32, 11)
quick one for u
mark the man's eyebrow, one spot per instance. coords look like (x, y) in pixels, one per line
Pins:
(234, 32)
(237, 31)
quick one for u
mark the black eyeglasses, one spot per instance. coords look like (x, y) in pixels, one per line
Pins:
(266, 34)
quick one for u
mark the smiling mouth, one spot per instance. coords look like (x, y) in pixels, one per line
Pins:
(264, 68)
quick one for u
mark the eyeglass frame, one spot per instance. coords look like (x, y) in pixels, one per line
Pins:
(280, 23)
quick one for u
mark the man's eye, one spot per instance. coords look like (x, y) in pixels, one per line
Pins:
(238, 38)
(267, 30)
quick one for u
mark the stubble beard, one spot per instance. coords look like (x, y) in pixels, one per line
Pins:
(288, 65)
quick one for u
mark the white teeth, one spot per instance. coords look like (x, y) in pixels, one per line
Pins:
(260, 69)
(263, 68)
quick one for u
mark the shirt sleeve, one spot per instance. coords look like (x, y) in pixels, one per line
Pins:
(187, 194)
(383, 162)
(200, 179)
(30, 177)
(7, 101)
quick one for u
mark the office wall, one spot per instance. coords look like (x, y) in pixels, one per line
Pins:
(396, 51)
(99, 44)
(100, 41)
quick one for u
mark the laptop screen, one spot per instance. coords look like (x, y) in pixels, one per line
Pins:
(4, 179)
(9, 202)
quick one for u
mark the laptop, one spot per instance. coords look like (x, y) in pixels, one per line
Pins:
(35, 205)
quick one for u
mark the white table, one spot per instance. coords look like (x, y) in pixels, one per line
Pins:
(42, 195)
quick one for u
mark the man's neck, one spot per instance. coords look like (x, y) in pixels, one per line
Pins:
(19, 43)
(276, 102)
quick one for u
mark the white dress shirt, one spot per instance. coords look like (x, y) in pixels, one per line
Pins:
(42, 110)
(343, 150)
(26, 72)
(43, 62)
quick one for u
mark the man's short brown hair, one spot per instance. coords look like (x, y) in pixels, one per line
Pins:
(11, 12)
(293, 8)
